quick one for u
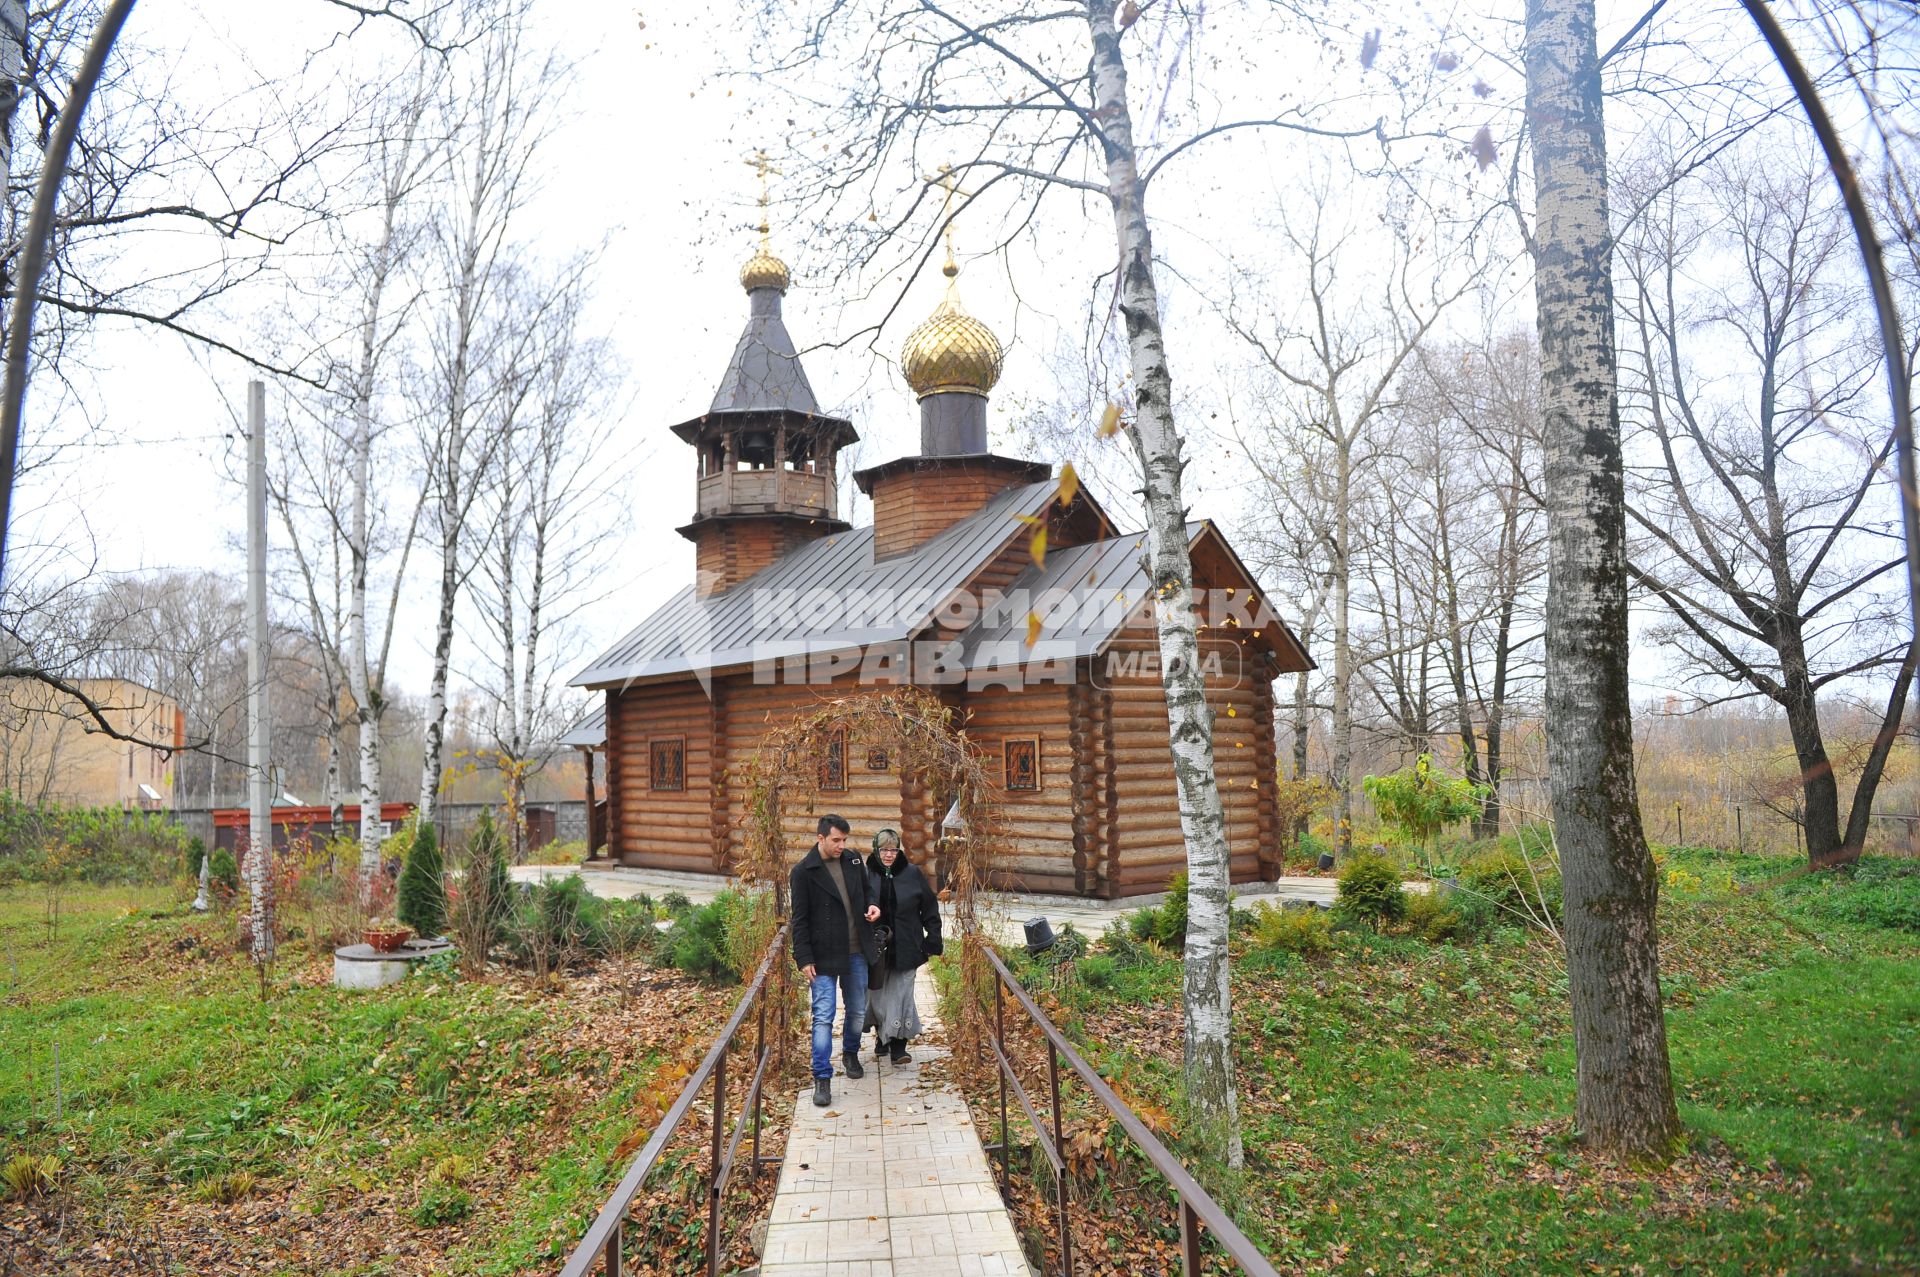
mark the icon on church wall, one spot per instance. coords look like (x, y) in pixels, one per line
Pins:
(1022, 758)
(877, 760)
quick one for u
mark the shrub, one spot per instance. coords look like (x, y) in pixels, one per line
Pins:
(227, 1187)
(1068, 946)
(1098, 971)
(628, 928)
(698, 943)
(554, 924)
(478, 911)
(1121, 944)
(1305, 931)
(25, 1176)
(1370, 892)
(442, 1202)
(423, 885)
(43, 843)
(675, 903)
(1309, 848)
(223, 872)
(1142, 923)
(1432, 917)
(1170, 919)
(196, 853)
(1513, 884)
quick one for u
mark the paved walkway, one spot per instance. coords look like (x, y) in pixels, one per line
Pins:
(890, 1180)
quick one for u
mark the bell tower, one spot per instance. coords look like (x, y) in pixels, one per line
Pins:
(766, 477)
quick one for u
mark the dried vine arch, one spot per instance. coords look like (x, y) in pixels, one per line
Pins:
(939, 770)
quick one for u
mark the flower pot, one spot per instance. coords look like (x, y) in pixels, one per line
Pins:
(386, 939)
(1326, 860)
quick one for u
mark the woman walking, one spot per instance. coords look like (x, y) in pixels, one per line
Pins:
(910, 928)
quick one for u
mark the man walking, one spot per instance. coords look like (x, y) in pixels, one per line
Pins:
(833, 941)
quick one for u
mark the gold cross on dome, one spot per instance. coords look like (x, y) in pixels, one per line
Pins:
(761, 164)
(947, 181)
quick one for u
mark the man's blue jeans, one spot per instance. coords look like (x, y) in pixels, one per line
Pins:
(853, 987)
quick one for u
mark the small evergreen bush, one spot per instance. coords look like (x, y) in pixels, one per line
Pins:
(224, 871)
(1170, 923)
(1307, 932)
(422, 902)
(1098, 971)
(1433, 918)
(698, 943)
(1370, 892)
(1120, 943)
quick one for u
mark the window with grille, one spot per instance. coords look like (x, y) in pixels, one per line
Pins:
(670, 764)
(833, 768)
(1022, 761)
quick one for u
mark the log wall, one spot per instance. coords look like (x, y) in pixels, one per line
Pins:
(1148, 847)
(1043, 854)
(661, 829)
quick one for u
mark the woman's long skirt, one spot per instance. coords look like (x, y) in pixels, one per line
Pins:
(890, 1007)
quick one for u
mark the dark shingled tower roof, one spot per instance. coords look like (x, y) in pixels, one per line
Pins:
(764, 375)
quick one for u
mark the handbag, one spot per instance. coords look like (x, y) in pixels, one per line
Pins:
(883, 946)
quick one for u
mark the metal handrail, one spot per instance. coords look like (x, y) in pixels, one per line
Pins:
(604, 1238)
(1196, 1207)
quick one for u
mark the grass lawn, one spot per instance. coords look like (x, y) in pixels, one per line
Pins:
(1406, 1106)
(435, 1126)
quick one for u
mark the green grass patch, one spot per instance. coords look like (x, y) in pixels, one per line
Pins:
(480, 1120)
(1406, 1105)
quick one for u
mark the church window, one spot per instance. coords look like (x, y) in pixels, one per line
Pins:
(833, 767)
(669, 764)
(1022, 760)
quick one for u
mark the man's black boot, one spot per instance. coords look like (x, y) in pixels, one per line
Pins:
(822, 1092)
(852, 1061)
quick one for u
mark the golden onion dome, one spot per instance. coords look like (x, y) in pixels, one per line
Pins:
(951, 350)
(764, 270)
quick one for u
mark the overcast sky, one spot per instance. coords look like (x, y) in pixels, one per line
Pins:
(650, 160)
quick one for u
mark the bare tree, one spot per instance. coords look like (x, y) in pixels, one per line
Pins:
(1623, 1082)
(1339, 373)
(1763, 537)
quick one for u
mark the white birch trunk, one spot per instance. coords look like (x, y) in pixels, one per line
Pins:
(1623, 1084)
(1206, 994)
(1341, 763)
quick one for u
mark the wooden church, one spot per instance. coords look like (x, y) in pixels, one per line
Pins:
(792, 605)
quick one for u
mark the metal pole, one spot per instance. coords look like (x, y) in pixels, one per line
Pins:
(612, 1252)
(1680, 827)
(1739, 831)
(260, 816)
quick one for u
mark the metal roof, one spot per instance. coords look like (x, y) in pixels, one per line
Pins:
(764, 374)
(825, 595)
(590, 732)
(1085, 595)
(831, 596)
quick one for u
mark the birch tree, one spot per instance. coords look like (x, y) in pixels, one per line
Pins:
(1623, 1083)
(494, 112)
(548, 504)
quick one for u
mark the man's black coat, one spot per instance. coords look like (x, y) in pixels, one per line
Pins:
(819, 920)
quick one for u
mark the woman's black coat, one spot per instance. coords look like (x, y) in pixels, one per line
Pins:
(819, 920)
(916, 913)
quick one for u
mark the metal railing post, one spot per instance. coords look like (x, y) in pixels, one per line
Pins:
(759, 1064)
(1189, 1240)
(613, 1250)
(1060, 1171)
(713, 1165)
(1000, 1037)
